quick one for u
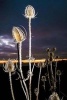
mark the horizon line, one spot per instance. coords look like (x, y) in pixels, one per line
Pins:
(32, 61)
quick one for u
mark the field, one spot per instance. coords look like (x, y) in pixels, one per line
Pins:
(5, 93)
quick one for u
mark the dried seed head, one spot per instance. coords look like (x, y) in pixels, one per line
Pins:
(58, 72)
(29, 12)
(54, 96)
(43, 78)
(18, 34)
(9, 66)
(36, 91)
(48, 50)
(54, 49)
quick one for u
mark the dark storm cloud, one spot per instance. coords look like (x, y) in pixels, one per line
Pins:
(49, 28)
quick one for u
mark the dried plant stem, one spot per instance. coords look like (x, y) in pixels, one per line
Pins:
(20, 63)
(55, 76)
(30, 58)
(11, 87)
(48, 76)
(52, 76)
(39, 81)
(33, 67)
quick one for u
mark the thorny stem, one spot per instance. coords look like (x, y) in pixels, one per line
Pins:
(55, 76)
(20, 63)
(30, 57)
(23, 89)
(59, 85)
(48, 76)
(39, 81)
(32, 73)
(33, 67)
(52, 76)
(11, 87)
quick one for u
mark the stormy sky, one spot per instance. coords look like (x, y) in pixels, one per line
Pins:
(49, 28)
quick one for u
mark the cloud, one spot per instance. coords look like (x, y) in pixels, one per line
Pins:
(7, 42)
